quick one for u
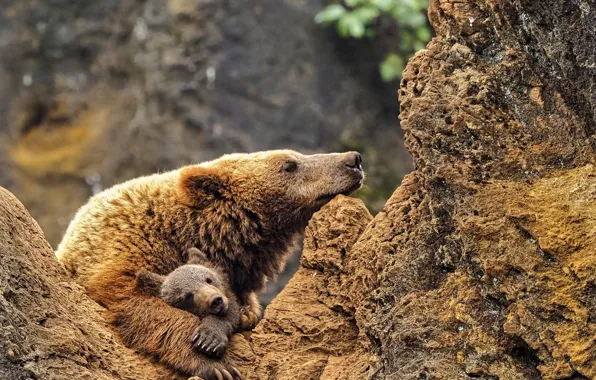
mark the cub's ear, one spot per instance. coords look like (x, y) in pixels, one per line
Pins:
(196, 256)
(149, 282)
(199, 185)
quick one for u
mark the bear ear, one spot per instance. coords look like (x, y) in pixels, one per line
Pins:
(196, 256)
(201, 185)
(149, 282)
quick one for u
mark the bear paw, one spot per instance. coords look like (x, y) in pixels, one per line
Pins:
(249, 319)
(209, 340)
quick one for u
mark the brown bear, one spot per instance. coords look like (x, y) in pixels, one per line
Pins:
(245, 211)
(198, 287)
(201, 289)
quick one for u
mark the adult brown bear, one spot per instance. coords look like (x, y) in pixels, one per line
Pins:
(244, 211)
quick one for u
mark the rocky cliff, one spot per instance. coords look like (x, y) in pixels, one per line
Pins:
(49, 328)
(482, 264)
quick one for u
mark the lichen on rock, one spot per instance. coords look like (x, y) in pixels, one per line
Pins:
(482, 263)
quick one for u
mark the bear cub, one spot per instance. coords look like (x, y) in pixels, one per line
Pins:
(199, 288)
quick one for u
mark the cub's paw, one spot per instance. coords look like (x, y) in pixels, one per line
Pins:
(249, 319)
(209, 340)
(219, 372)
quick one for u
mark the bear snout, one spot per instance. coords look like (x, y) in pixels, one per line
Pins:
(218, 305)
(353, 160)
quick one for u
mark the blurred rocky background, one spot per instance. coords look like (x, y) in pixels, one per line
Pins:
(94, 93)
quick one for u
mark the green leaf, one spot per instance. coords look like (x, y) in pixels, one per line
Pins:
(370, 33)
(418, 45)
(384, 5)
(343, 29)
(357, 30)
(391, 68)
(408, 14)
(423, 34)
(366, 14)
(404, 46)
(415, 20)
(407, 37)
(354, 3)
(330, 14)
(350, 25)
(413, 5)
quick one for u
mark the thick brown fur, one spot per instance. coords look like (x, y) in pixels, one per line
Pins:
(245, 211)
(192, 287)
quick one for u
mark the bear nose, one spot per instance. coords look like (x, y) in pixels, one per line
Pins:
(218, 305)
(216, 302)
(353, 160)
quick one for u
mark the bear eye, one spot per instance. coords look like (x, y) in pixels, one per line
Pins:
(185, 302)
(208, 280)
(290, 166)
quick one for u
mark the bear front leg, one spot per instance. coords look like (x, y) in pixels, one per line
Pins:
(150, 325)
(251, 311)
(212, 335)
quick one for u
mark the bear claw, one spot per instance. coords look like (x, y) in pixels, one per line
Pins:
(249, 320)
(222, 374)
(227, 375)
(209, 341)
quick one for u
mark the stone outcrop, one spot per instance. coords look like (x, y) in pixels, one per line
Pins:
(310, 329)
(49, 328)
(483, 262)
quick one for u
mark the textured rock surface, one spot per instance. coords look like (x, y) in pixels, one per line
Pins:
(483, 262)
(486, 253)
(49, 328)
(310, 330)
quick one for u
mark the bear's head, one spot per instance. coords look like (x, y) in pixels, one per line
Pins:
(283, 186)
(193, 287)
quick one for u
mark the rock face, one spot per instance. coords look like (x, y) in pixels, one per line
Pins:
(310, 330)
(49, 328)
(483, 262)
(495, 273)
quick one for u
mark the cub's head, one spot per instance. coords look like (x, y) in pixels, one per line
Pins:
(193, 287)
(280, 185)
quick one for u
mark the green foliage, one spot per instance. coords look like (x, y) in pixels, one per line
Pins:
(392, 67)
(357, 19)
